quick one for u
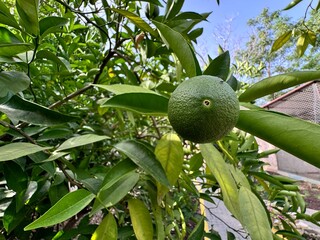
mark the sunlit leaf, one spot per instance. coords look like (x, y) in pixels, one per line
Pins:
(80, 141)
(143, 103)
(141, 219)
(125, 88)
(181, 48)
(281, 41)
(135, 19)
(26, 111)
(219, 66)
(169, 152)
(292, 4)
(276, 83)
(19, 149)
(107, 229)
(253, 215)
(302, 44)
(144, 158)
(6, 17)
(293, 135)
(220, 170)
(65, 208)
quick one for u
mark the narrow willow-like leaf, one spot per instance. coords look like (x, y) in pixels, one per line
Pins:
(15, 150)
(281, 41)
(276, 83)
(198, 232)
(144, 158)
(181, 48)
(125, 88)
(107, 229)
(219, 66)
(26, 111)
(20, 79)
(80, 141)
(141, 219)
(66, 207)
(220, 170)
(142, 103)
(136, 20)
(292, 4)
(293, 135)
(169, 152)
(253, 215)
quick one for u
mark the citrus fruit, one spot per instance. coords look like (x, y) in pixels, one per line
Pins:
(203, 109)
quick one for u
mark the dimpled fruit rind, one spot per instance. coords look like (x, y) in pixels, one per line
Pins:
(203, 109)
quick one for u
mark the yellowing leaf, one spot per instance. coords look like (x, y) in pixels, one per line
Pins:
(302, 44)
(253, 215)
(141, 219)
(107, 229)
(169, 152)
(220, 170)
(281, 41)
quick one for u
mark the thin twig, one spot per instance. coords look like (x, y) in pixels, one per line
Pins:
(154, 122)
(18, 130)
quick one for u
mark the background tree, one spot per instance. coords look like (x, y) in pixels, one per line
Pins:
(86, 147)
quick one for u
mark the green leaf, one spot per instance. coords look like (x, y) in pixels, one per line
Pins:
(117, 172)
(65, 208)
(28, 12)
(143, 103)
(180, 47)
(45, 54)
(12, 49)
(173, 8)
(253, 215)
(141, 219)
(220, 170)
(198, 232)
(292, 4)
(302, 44)
(276, 83)
(80, 141)
(10, 44)
(107, 229)
(125, 88)
(13, 82)
(51, 24)
(293, 135)
(219, 66)
(108, 197)
(16, 150)
(281, 41)
(144, 158)
(26, 111)
(136, 20)
(169, 152)
(6, 17)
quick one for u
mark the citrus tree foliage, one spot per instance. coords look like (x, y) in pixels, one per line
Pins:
(87, 150)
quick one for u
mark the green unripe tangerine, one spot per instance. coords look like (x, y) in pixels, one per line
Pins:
(203, 109)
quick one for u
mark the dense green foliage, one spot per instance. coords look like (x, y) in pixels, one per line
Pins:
(86, 147)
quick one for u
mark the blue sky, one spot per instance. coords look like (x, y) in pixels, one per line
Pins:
(238, 10)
